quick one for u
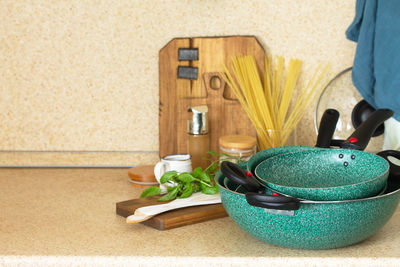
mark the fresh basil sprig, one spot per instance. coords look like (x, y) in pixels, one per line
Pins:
(183, 185)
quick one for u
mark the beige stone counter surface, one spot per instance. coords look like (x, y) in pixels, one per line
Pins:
(58, 217)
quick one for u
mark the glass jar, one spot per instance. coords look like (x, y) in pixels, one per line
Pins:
(240, 146)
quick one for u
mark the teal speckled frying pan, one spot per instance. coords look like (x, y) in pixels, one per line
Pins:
(329, 174)
(326, 174)
(259, 157)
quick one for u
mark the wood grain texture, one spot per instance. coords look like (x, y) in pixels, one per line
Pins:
(226, 116)
(174, 218)
(169, 83)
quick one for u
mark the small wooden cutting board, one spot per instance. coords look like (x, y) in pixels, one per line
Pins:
(173, 218)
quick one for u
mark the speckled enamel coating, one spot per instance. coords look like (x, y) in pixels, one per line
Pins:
(316, 225)
(240, 189)
(330, 174)
(271, 152)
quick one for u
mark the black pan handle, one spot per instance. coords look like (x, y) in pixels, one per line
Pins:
(337, 142)
(361, 136)
(237, 175)
(360, 113)
(327, 128)
(394, 169)
(278, 202)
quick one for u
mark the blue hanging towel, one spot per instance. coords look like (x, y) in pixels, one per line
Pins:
(376, 67)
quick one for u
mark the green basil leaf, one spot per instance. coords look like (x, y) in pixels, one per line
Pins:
(151, 191)
(209, 190)
(168, 176)
(204, 177)
(196, 187)
(197, 171)
(175, 180)
(186, 177)
(212, 167)
(170, 195)
(212, 153)
(187, 192)
(180, 188)
(170, 188)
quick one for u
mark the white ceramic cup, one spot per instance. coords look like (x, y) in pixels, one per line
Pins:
(179, 162)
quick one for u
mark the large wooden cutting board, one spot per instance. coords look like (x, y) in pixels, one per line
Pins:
(225, 116)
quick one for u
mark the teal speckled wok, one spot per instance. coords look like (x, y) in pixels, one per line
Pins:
(289, 222)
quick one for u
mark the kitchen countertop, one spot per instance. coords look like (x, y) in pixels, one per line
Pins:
(67, 217)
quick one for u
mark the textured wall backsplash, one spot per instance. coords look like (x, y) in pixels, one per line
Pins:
(80, 78)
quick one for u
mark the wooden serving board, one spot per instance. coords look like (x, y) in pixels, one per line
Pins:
(173, 218)
(177, 94)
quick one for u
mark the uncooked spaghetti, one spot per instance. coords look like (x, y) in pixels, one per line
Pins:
(268, 102)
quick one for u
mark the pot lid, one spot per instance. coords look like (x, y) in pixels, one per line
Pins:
(342, 95)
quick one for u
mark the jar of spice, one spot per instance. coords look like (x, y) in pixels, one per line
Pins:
(242, 146)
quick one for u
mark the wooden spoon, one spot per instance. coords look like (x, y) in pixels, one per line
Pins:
(197, 199)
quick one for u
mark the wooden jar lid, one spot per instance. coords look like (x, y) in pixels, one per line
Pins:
(142, 175)
(241, 142)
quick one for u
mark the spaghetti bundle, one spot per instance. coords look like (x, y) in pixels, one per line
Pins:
(268, 102)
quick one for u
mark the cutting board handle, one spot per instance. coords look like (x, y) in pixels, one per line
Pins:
(215, 84)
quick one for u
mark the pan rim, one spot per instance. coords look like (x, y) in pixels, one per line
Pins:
(219, 175)
(385, 172)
